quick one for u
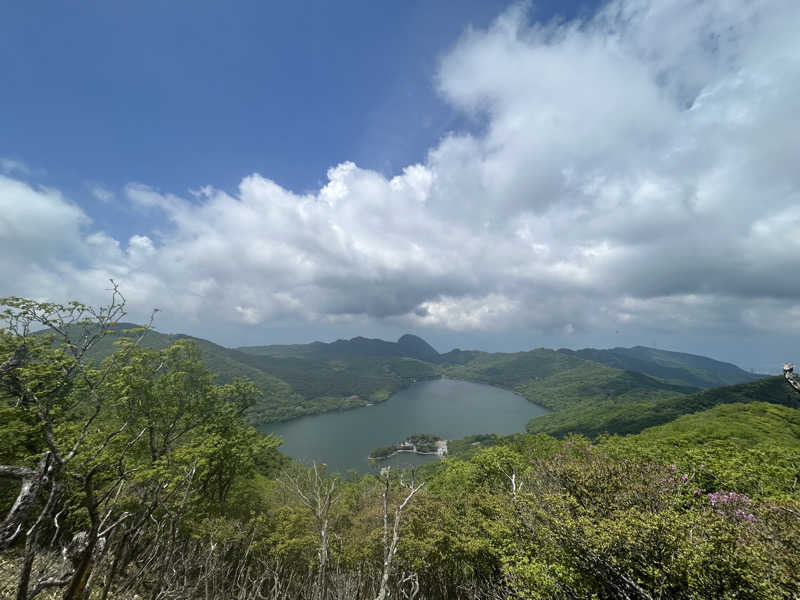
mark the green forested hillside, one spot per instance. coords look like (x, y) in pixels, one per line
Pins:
(591, 383)
(329, 382)
(590, 391)
(345, 373)
(277, 397)
(757, 424)
(673, 367)
(297, 380)
(585, 396)
(507, 369)
(140, 477)
(623, 416)
(753, 448)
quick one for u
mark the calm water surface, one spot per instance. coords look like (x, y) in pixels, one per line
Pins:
(444, 407)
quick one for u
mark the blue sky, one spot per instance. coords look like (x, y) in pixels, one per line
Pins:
(484, 174)
(185, 94)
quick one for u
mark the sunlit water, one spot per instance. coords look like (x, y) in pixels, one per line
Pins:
(444, 407)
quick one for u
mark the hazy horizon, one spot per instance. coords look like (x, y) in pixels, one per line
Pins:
(500, 345)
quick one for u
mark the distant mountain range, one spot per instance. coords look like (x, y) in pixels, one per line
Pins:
(677, 367)
(409, 346)
(304, 379)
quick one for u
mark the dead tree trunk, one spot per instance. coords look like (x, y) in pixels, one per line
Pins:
(318, 493)
(788, 373)
(390, 546)
(32, 482)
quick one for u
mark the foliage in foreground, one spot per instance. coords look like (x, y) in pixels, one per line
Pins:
(144, 479)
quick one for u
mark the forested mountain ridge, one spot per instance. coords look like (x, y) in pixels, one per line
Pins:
(677, 367)
(409, 346)
(303, 379)
(223, 362)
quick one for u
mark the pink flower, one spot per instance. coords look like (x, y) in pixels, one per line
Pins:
(734, 504)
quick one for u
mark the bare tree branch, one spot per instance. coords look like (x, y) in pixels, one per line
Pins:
(32, 481)
(788, 373)
(390, 548)
(318, 494)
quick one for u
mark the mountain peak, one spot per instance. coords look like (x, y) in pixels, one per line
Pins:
(415, 347)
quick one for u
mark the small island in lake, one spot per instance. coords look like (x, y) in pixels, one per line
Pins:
(423, 443)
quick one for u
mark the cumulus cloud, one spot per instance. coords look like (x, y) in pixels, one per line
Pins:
(40, 235)
(636, 168)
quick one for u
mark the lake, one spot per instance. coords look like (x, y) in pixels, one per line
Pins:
(448, 408)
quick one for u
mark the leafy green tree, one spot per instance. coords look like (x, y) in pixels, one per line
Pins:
(103, 450)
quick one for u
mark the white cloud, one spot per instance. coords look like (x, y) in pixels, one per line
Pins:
(9, 166)
(100, 192)
(637, 168)
(36, 224)
(468, 313)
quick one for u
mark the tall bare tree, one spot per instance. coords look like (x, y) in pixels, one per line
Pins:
(390, 545)
(317, 492)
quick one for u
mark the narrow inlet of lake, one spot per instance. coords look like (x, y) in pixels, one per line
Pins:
(445, 407)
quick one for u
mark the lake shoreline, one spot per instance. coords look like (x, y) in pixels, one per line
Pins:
(368, 404)
(449, 408)
(396, 452)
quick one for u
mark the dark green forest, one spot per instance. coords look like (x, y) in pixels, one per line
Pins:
(130, 468)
